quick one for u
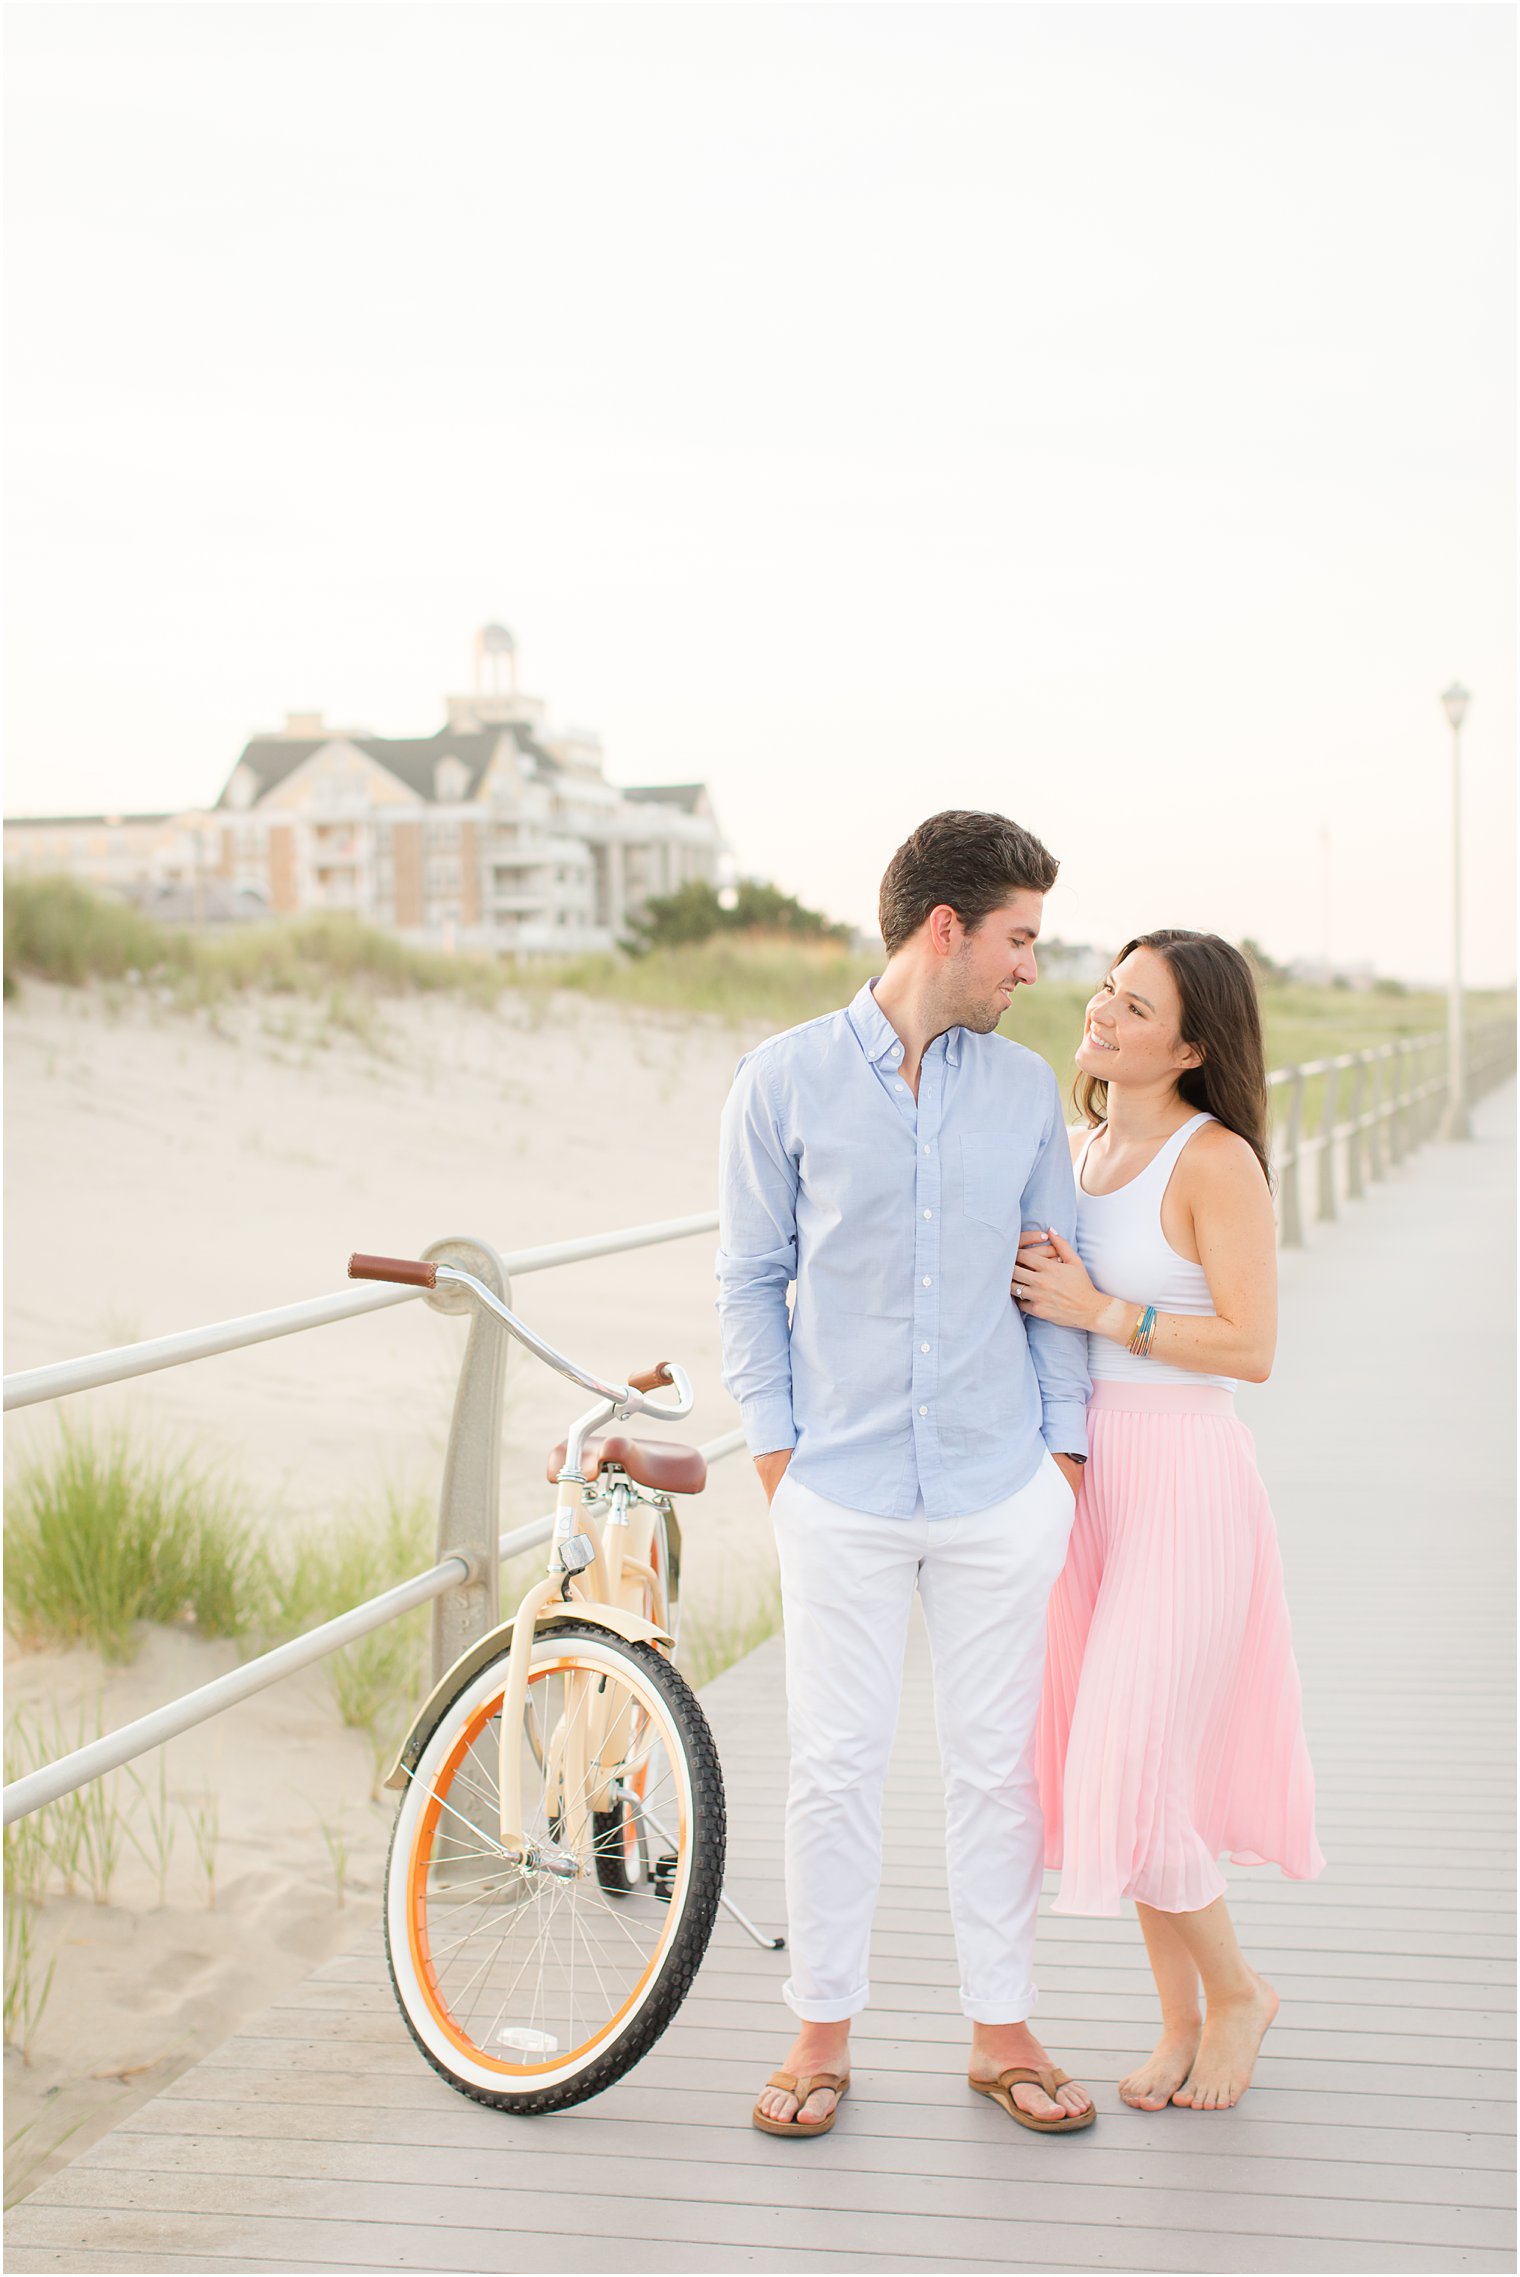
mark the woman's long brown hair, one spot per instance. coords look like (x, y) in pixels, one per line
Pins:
(1221, 1019)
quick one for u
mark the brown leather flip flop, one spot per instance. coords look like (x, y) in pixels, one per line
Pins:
(839, 2082)
(1000, 2090)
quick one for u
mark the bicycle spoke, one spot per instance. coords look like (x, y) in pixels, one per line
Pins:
(499, 1851)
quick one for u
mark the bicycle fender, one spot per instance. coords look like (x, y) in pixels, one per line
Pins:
(496, 1641)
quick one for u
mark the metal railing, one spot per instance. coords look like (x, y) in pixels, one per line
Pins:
(461, 1586)
(1373, 1108)
(1352, 1117)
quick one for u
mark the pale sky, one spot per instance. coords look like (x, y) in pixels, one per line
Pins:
(1102, 414)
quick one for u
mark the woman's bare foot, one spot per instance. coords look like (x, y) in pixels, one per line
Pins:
(1151, 2085)
(817, 2047)
(1233, 2031)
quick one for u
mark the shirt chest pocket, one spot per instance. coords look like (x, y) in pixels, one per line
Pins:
(994, 1172)
(854, 1223)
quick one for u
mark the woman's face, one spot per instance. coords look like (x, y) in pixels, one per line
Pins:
(1130, 1032)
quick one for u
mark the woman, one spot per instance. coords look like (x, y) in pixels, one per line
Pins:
(1170, 1729)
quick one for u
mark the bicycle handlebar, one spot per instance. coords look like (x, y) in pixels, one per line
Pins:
(416, 1272)
(424, 1273)
(652, 1378)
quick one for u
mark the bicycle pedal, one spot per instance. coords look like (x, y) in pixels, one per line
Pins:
(662, 1879)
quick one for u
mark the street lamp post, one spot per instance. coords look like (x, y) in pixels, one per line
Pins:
(1458, 1126)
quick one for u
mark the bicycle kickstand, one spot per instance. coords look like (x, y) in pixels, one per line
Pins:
(766, 1944)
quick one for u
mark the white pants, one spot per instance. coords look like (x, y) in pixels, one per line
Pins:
(847, 1583)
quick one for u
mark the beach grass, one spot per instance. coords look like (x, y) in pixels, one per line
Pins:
(28, 1978)
(377, 1680)
(101, 1532)
(57, 930)
(737, 977)
(714, 1636)
(60, 931)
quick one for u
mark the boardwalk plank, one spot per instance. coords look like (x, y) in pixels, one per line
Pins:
(940, 2111)
(896, 2065)
(1037, 2217)
(1008, 2185)
(1123, 1996)
(1349, 2161)
(360, 2245)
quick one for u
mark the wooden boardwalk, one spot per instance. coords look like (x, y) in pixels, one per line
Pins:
(1378, 2136)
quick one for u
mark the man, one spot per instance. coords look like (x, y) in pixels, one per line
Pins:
(911, 1430)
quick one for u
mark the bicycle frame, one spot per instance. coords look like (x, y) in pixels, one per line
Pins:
(572, 1555)
(588, 1574)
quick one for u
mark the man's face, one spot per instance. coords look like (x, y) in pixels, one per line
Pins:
(988, 965)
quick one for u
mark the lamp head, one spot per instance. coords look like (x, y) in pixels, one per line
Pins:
(1455, 701)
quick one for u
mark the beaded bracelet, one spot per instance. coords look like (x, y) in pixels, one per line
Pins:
(1145, 1329)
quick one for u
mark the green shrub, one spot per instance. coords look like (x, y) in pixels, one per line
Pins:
(697, 911)
(100, 1534)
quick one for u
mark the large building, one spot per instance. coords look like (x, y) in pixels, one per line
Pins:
(497, 832)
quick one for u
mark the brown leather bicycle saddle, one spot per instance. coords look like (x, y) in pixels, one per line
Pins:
(664, 1464)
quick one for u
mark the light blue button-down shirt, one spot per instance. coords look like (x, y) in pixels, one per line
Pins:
(905, 1372)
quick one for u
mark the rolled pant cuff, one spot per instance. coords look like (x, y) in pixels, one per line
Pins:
(1015, 2011)
(825, 2011)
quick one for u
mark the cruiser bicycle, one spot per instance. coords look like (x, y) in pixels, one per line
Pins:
(557, 1858)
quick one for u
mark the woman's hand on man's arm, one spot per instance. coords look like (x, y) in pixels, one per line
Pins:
(1050, 1282)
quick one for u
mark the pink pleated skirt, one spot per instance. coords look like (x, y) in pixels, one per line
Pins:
(1171, 1727)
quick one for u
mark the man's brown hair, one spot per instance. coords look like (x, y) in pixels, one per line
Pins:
(971, 862)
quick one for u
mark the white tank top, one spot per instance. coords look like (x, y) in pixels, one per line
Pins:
(1120, 1241)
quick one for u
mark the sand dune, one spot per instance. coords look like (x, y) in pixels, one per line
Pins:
(163, 1172)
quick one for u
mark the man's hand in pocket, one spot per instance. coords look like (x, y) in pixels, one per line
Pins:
(772, 1469)
(1070, 1471)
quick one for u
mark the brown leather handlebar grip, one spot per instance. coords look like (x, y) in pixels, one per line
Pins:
(652, 1378)
(414, 1271)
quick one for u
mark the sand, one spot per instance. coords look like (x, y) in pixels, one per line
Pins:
(165, 1171)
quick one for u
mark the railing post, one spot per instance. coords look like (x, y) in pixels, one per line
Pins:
(1354, 1184)
(1392, 1115)
(1436, 1083)
(1376, 1165)
(1416, 1092)
(1288, 1165)
(1327, 1143)
(1453, 1087)
(1401, 1089)
(1491, 1054)
(1475, 1059)
(469, 1505)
